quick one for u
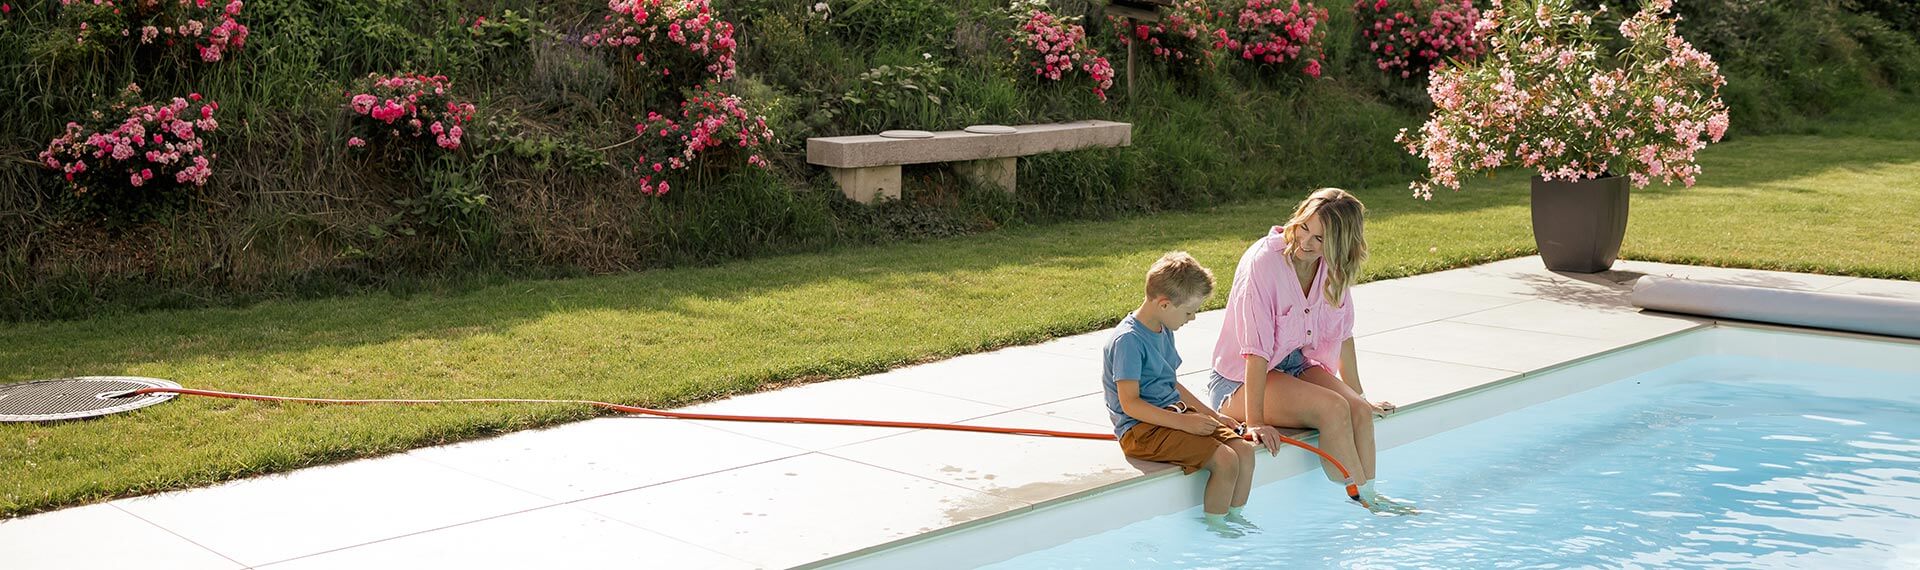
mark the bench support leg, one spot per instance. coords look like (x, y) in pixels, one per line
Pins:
(865, 185)
(992, 172)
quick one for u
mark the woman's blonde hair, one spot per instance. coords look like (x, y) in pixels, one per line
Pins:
(1344, 232)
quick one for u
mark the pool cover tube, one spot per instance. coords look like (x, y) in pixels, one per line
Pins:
(1857, 313)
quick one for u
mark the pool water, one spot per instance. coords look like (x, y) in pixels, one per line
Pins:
(1713, 461)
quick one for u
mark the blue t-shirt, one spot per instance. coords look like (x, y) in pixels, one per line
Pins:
(1137, 353)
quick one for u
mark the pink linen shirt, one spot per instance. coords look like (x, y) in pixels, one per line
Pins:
(1269, 316)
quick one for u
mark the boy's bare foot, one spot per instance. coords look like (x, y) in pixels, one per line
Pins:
(1219, 525)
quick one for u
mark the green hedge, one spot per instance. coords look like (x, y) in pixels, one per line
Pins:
(291, 212)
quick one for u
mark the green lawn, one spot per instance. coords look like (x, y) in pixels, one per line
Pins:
(1843, 203)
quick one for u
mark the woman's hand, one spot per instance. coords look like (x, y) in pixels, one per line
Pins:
(1383, 409)
(1266, 436)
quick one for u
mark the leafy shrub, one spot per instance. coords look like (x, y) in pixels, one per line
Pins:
(888, 22)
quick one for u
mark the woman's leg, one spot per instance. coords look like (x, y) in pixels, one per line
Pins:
(1293, 403)
(1360, 412)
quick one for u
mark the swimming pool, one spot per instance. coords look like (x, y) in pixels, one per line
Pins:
(1724, 447)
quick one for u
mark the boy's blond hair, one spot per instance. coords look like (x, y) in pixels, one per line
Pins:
(1179, 277)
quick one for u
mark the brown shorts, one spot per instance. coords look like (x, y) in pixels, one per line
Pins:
(1161, 443)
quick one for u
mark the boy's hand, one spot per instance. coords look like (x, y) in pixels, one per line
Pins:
(1226, 421)
(1197, 424)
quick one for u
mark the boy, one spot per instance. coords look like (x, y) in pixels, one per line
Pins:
(1154, 416)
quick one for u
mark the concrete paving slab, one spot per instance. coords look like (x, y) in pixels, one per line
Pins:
(796, 510)
(1026, 469)
(839, 399)
(98, 536)
(605, 455)
(1581, 321)
(1010, 378)
(279, 517)
(552, 537)
(1484, 346)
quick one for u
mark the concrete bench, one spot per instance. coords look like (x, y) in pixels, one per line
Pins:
(868, 166)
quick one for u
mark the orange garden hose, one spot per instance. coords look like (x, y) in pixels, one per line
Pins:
(1353, 491)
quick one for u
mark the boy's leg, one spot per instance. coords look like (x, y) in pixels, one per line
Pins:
(1359, 410)
(1223, 470)
(1243, 486)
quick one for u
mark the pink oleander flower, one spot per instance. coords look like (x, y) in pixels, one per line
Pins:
(356, 142)
(1564, 111)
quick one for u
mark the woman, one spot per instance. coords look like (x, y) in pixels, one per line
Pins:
(1285, 356)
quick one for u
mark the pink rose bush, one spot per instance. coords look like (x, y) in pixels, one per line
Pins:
(1184, 38)
(209, 28)
(1264, 33)
(1545, 99)
(1408, 38)
(136, 146)
(409, 106)
(711, 122)
(1054, 46)
(669, 37)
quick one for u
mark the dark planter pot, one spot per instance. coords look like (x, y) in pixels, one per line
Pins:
(1579, 224)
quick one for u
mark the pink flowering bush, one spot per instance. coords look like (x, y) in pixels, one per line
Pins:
(1408, 38)
(1545, 99)
(676, 41)
(1183, 39)
(208, 28)
(1054, 46)
(408, 106)
(135, 152)
(1265, 33)
(711, 124)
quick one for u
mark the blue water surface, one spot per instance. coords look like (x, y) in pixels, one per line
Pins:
(1713, 462)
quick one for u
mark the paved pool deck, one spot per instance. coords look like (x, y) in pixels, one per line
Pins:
(654, 493)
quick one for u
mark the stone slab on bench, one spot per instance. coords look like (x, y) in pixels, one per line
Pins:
(868, 166)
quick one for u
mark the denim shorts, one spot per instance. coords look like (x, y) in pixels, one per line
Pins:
(1220, 387)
